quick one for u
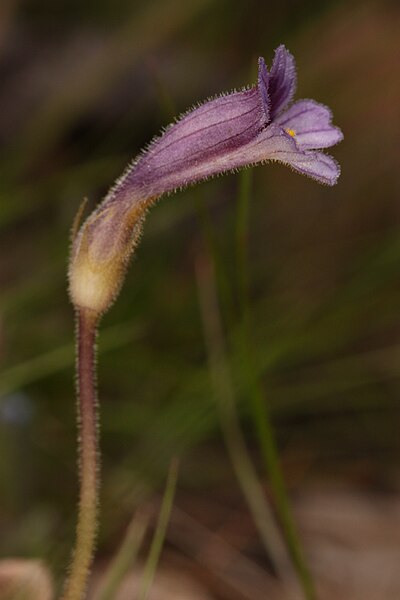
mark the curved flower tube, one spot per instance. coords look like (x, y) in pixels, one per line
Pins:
(243, 128)
(229, 132)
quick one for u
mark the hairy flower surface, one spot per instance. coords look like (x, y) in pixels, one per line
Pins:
(224, 134)
(239, 129)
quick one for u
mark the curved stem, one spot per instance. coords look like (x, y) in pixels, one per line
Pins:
(88, 457)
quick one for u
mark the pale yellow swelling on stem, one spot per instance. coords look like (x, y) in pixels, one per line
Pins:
(100, 253)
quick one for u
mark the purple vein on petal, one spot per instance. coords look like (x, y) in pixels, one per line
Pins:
(282, 80)
(232, 131)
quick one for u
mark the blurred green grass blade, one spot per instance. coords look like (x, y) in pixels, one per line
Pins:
(224, 286)
(21, 200)
(233, 437)
(241, 235)
(259, 410)
(140, 32)
(264, 429)
(46, 364)
(125, 557)
(160, 532)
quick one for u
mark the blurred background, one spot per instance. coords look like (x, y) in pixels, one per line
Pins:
(312, 270)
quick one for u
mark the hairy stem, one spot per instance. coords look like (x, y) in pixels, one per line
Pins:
(88, 456)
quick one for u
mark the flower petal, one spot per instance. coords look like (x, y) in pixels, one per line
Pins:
(208, 132)
(317, 165)
(310, 122)
(282, 80)
(274, 143)
(224, 134)
(263, 85)
(232, 131)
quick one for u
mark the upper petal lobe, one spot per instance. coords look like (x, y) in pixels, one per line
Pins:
(282, 80)
(263, 87)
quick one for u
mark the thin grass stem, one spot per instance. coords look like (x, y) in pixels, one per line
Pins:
(125, 557)
(160, 532)
(263, 516)
(241, 235)
(259, 408)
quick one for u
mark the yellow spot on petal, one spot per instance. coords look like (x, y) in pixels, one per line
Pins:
(291, 132)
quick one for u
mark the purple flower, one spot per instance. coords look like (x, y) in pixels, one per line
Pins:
(239, 129)
(224, 134)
